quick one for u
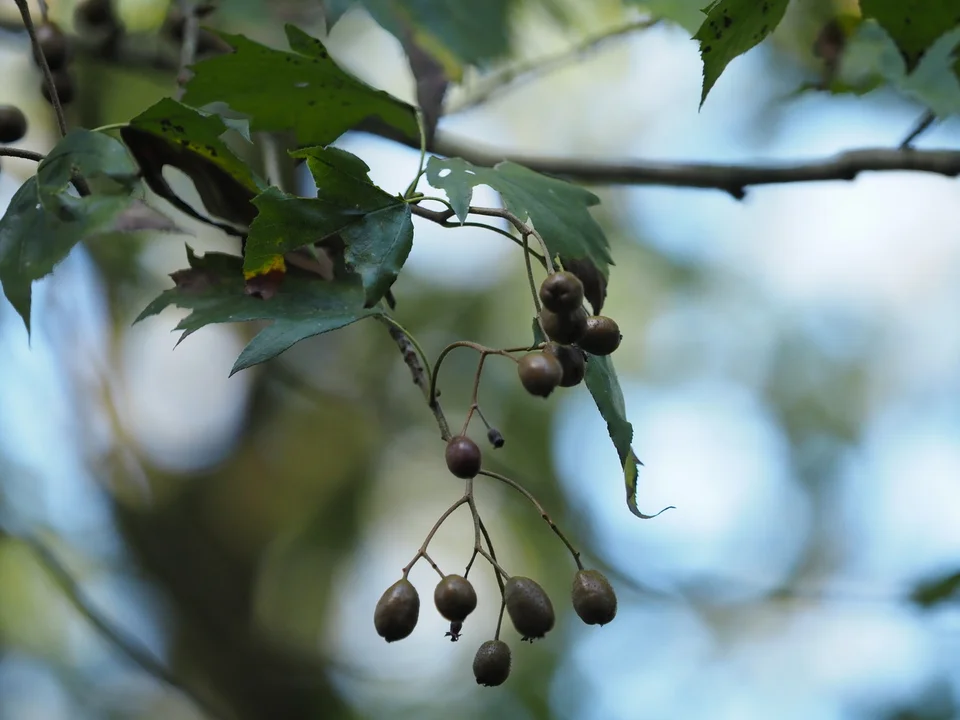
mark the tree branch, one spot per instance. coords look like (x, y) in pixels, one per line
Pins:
(188, 47)
(733, 179)
(71, 589)
(512, 77)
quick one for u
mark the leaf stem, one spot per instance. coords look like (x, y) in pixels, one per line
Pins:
(412, 187)
(543, 513)
(111, 127)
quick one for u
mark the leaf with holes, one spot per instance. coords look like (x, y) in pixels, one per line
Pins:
(730, 29)
(303, 90)
(914, 25)
(213, 289)
(602, 382)
(559, 211)
(33, 239)
(170, 133)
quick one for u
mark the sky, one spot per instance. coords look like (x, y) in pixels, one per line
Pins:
(839, 261)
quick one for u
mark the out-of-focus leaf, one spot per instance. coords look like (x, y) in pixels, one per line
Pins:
(304, 306)
(559, 211)
(686, 13)
(33, 239)
(871, 61)
(937, 591)
(731, 28)
(303, 90)
(90, 155)
(170, 133)
(914, 25)
(601, 380)
(450, 30)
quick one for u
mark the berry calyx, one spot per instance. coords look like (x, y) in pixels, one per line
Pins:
(397, 611)
(463, 457)
(539, 373)
(572, 361)
(593, 597)
(495, 437)
(53, 44)
(491, 664)
(455, 598)
(564, 328)
(13, 123)
(602, 335)
(561, 292)
(529, 607)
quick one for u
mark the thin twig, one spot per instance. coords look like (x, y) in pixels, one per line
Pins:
(188, 47)
(512, 77)
(23, 154)
(422, 552)
(421, 374)
(44, 66)
(923, 124)
(129, 647)
(543, 513)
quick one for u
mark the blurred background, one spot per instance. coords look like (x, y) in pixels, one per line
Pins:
(791, 364)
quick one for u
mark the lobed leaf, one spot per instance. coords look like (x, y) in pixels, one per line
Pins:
(303, 90)
(302, 307)
(914, 25)
(731, 28)
(88, 154)
(559, 211)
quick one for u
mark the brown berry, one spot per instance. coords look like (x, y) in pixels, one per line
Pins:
(593, 597)
(564, 328)
(561, 292)
(572, 361)
(491, 665)
(455, 598)
(13, 123)
(397, 611)
(53, 44)
(529, 607)
(602, 336)
(463, 457)
(94, 14)
(63, 83)
(539, 373)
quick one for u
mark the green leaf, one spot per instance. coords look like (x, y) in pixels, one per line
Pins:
(33, 239)
(377, 247)
(473, 33)
(686, 13)
(914, 25)
(303, 306)
(731, 28)
(603, 384)
(88, 154)
(376, 227)
(303, 90)
(937, 591)
(559, 211)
